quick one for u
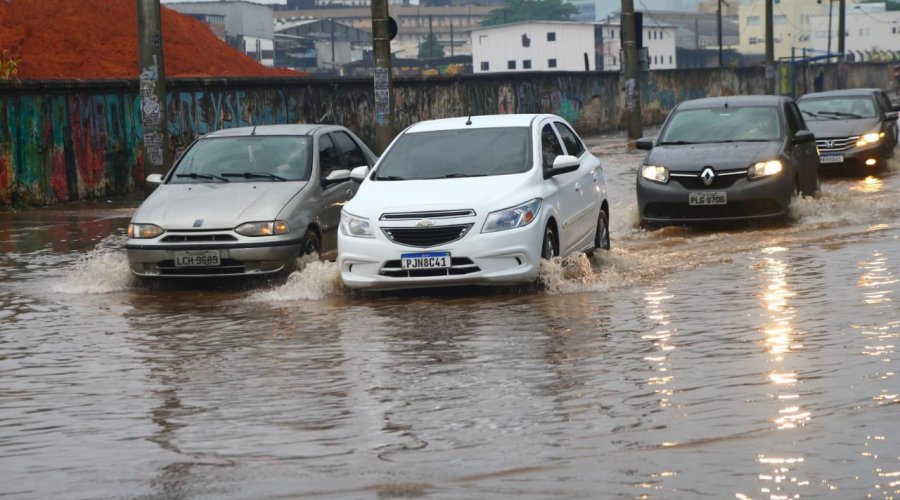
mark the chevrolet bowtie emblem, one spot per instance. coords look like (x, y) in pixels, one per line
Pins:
(707, 175)
(425, 223)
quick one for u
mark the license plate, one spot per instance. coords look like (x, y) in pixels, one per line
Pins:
(197, 258)
(831, 159)
(708, 198)
(427, 260)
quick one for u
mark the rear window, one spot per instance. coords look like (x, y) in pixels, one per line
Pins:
(840, 108)
(731, 124)
(240, 159)
(472, 152)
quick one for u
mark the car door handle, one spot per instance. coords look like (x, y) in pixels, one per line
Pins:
(577, 187)
(349, 192)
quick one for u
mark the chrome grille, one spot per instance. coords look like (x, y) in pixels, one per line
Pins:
(426, 236)
(440, 214)
(723, 179)
(836, 144)
(197, 238)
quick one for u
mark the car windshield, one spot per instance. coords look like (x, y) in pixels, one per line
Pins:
(245, 159)
(472, 152)
(837, 108)
(731, 124)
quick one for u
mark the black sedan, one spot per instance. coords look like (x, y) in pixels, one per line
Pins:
(727, 158)
(855, 128)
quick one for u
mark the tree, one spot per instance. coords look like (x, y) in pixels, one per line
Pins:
(430, 48)
(530, 10)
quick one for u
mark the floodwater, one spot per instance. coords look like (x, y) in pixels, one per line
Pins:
(749, 363)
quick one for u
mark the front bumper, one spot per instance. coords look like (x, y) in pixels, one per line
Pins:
(502, 258)
(746, 200)
(156, 260)
(855, 157)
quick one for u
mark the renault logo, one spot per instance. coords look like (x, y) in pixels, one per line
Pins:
(425, 223)
(707, 175)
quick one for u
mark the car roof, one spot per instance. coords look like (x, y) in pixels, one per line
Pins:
(734, 100)
(842, 93)
(478, 121)
(283, 129)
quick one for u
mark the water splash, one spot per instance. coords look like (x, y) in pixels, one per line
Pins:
(103, 270)
(314, 280)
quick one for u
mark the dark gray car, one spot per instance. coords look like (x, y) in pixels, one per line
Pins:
(247, 201)
(854, 128)
(727, 158)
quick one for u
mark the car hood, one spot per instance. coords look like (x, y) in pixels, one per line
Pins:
(824, 129)
(693, 157)
(482, 194)
(218, 206)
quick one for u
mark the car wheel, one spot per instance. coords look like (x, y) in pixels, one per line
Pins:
(601, 239)
(548, 247)
(311, 244)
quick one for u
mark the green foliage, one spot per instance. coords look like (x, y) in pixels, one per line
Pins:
(530, 10)
(430, 48)
(9, 66)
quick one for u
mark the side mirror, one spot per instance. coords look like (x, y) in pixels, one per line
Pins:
(359, 173)
(564, 164)
(337, 176)
(644, 144)
(895, 107)
(804, 136)
(891, 115)
(155, 178)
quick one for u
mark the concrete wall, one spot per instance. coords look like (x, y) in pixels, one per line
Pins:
(65, 141)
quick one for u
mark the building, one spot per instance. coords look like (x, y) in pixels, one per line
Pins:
(534, 46)
(659, 40)
(697, 36)
(791, 23)
(248, 25)
(871, 35)
(319, 44)
(451, 24)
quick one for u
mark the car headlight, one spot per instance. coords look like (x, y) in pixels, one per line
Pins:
(869, 138)
(263, 228)
(144, 231)
(510, 218)
(655, 173)
(764, 169)
(358, 227)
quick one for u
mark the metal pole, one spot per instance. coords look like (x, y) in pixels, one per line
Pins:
(770, 50)
(842, 31)
(632, 87)
(157, 156)
(719, 26)
(381, 59)
(830, 8)
(451, 38)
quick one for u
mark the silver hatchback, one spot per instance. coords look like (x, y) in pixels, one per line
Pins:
(247, 201)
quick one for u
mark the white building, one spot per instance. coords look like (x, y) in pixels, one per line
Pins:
(660, 40)
(534, 46)
(870, 35)
(248, 25)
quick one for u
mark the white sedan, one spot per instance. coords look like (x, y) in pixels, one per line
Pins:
(473, 200)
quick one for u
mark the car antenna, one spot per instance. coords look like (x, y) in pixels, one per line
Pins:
(469, 120)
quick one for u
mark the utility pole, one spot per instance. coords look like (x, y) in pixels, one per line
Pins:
(157, 156)
(842, 32)
(719, 30)
(830, 9)
(632, 88)
(384, 88)
(770, 50)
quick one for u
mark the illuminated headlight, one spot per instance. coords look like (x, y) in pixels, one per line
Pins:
(869, 138)
(263, 228)
(358, 227)
(510, 218)
(764, 169)
(655, 173)
(144, 231)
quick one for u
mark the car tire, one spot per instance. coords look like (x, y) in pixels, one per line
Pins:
(601, 237)
(311, 244)
(548, 245)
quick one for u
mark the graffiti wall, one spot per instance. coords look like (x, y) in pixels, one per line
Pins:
(67, 141)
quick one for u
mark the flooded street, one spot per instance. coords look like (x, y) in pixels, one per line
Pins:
(750, 363)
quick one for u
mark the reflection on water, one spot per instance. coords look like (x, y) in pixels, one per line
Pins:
(685, 363)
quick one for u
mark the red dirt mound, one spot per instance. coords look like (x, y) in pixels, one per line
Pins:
(96, 39)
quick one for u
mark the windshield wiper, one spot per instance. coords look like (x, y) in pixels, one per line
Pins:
(256, 175)
(741, 140)
(451, 176)
(839, 113)
(202, 176)
(389, 178)
(810, 113)
(679, 143)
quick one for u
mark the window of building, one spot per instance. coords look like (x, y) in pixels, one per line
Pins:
(752, 40)
(485, 66)
(551, 63)
(752, 20)
(526, 42)
(670, 59)
(526, 64)
(510, 64)
(551, 36)
(612, 33)
(779, 20)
